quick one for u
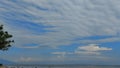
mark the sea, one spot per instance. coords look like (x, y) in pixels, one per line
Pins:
(62, 66)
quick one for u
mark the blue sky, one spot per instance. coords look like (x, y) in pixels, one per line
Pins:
(62, 31)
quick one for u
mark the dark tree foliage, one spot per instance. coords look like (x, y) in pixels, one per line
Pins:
(5, 41)
(1, 65)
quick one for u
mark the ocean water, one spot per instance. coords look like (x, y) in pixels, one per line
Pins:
(64, 66)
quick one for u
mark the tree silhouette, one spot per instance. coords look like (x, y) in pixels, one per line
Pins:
(5, 41)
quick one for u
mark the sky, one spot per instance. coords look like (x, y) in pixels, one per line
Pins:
(62, 31)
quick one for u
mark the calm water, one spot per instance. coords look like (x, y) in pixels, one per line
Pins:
(71, 66)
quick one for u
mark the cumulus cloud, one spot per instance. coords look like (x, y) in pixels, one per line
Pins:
(91, 49)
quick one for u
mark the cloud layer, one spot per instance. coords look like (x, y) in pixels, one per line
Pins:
(55, 23)
(61, 21)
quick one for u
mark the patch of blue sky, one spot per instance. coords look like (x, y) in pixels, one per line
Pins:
(115, 49)
(28, 52)
(31, 44)
(12, 51)
(69, 48)
(38, 50)
(114, 45)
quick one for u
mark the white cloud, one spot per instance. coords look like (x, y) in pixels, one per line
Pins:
(87, 53)
(25, 59)
(91, 49)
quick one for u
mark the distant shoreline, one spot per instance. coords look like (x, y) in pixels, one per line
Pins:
(62, 66)
(56, 65)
